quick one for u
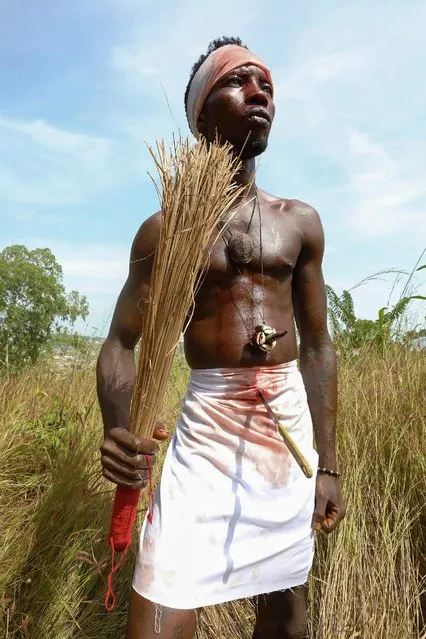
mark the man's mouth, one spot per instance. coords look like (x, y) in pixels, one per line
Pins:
(259, 116)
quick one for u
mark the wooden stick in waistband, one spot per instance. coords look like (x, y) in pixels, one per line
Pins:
(291, 445)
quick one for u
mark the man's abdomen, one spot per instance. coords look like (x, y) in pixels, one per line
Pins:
(219, 341)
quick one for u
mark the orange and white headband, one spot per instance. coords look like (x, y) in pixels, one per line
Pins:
(215, 66)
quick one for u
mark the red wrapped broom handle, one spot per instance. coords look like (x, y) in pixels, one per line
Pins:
(123, 517)
(120, 532)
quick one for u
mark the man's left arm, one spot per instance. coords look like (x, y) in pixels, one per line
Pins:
(318, 367)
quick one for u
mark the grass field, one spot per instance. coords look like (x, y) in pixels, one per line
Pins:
(55, 507)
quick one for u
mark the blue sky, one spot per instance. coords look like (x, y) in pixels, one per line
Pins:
(83, 86)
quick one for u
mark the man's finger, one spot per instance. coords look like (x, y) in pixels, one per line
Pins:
(132, 442)
(330, 522)
(125, 457)
(333, 518)
(318, 517)
(120, 480)
(134, 474)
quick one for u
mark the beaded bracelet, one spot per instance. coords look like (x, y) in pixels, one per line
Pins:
(327, 471)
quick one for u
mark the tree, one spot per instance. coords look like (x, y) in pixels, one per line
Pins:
(33, 304)
(351, 332)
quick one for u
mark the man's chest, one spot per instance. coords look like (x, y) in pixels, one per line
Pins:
(270, 243)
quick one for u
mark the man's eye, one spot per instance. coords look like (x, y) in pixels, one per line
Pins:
(235, 80)
(267, 88)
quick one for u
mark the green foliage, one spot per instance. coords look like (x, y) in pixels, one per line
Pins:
(350, 332)
(55, 427)
(33, 304)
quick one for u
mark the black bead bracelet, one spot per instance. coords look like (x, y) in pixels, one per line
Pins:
(327, 471)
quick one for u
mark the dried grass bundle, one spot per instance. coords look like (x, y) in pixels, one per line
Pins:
(196, 189)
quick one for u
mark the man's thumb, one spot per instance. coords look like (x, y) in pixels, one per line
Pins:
(160, 433)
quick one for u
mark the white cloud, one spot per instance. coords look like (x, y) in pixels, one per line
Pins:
(337, 98)
(82, 146)
(96, 271)
(45, 166)
(41, 164)
(305, 77)
(90, 268)
(387, 191)
(132, 60)
(99, 264)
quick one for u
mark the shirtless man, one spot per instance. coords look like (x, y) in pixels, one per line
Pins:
(228, 474)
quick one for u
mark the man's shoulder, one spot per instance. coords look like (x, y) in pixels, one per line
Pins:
(292, 206)
(147, 236)
(304, 219)
(151, 224)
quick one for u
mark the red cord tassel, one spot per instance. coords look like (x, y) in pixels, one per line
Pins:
(151, 492)
(121, 527)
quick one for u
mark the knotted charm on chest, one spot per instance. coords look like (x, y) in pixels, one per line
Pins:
(240, 247)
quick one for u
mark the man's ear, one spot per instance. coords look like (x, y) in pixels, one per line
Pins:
(201, 124)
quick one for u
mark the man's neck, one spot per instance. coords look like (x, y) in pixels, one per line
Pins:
(246, 177)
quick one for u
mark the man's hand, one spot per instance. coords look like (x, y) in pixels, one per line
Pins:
(126, 458)
(329, 508)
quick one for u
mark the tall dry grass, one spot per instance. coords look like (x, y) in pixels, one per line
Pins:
(55, 508)
(367, 580)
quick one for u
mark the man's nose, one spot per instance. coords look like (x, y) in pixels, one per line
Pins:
(256, 95)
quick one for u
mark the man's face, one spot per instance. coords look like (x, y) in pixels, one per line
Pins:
(240, 106)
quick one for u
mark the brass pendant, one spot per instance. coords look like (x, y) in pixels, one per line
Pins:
(265, 337)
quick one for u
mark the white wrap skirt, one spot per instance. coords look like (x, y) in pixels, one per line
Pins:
(232, 514)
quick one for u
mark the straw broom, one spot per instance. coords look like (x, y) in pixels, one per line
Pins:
(196, 190)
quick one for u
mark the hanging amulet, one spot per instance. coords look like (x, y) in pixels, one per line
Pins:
(265, 337)
(240, 247)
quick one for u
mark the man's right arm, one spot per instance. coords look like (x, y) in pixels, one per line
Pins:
(123, 454)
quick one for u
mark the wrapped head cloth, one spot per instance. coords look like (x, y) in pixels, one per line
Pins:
(216, 66)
